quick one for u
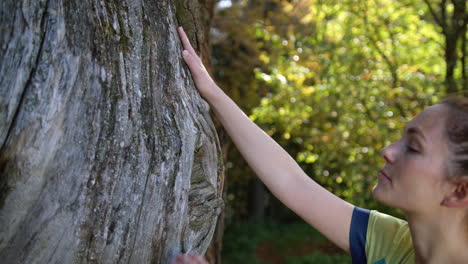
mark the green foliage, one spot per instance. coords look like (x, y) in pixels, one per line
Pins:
(338, 96)
(242, 240)
(336, 81)
(319, 258)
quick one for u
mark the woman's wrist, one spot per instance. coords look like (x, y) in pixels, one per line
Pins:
(214, 94)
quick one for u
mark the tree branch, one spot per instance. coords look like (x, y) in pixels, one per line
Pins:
(374, 41)
(434, 15)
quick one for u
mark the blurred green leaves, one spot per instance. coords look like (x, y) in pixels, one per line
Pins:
(369, 71)
(335, 81)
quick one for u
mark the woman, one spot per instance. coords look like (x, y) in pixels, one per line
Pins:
(425, 175)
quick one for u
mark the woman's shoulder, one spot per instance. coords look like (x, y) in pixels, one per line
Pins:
(387, 221)
(388, 238)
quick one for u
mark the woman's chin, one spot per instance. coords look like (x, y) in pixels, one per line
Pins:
(378, 193)
(383, 194)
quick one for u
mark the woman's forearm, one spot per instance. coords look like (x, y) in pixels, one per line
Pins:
(272, 164)
(282, 175)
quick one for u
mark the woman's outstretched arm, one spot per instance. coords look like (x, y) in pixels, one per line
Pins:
(272, 164)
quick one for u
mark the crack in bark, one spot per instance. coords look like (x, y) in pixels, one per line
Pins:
(197, 43)
(43, 26)
(124, 243)
(140, 209)
(56, 246)
(202, 239)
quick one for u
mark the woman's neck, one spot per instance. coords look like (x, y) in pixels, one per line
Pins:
(439, 238)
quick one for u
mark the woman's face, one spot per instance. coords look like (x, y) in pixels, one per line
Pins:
(414, 176)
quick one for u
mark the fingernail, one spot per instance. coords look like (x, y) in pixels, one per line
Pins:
(185, 53)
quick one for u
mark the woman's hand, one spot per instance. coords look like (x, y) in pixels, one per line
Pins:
(205, 84)
(189, 259)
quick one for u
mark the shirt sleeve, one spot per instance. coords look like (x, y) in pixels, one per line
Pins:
(358, 234)
(388, 238)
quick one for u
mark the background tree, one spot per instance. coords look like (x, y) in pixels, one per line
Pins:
(108, 154)
(452, 19)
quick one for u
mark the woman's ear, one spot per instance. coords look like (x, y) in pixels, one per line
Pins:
(458, 198)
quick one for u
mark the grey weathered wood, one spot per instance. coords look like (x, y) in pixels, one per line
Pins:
(108, 153)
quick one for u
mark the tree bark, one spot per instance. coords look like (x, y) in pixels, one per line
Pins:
(204, 10)
(108, 154)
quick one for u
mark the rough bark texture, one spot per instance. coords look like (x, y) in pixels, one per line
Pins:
(108, 153)
(187, 10)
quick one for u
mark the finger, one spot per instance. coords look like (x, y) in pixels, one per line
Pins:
(197, 259)
(186, 41)
(187, 45)
(186, 259)
(194, 66)
(177, 260)
(202, 260)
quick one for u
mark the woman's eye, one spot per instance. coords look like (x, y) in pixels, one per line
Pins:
(410, 149)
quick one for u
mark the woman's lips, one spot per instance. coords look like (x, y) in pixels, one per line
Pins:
(383, 175)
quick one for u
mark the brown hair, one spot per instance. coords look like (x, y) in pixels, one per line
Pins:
(457, 134)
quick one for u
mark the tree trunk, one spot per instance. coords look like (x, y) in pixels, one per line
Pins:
(257, 199)
(453, 25)
(464, 57)
(108, 153)
(451, 59)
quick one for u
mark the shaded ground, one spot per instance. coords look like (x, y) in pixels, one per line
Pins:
(269, 253)
(274, 243)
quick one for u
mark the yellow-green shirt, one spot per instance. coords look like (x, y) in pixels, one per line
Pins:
(377, 238)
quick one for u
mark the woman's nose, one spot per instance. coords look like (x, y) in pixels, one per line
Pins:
(388, 153)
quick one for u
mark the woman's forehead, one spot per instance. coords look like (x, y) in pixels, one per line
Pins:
(431, 116)
(430, 122)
